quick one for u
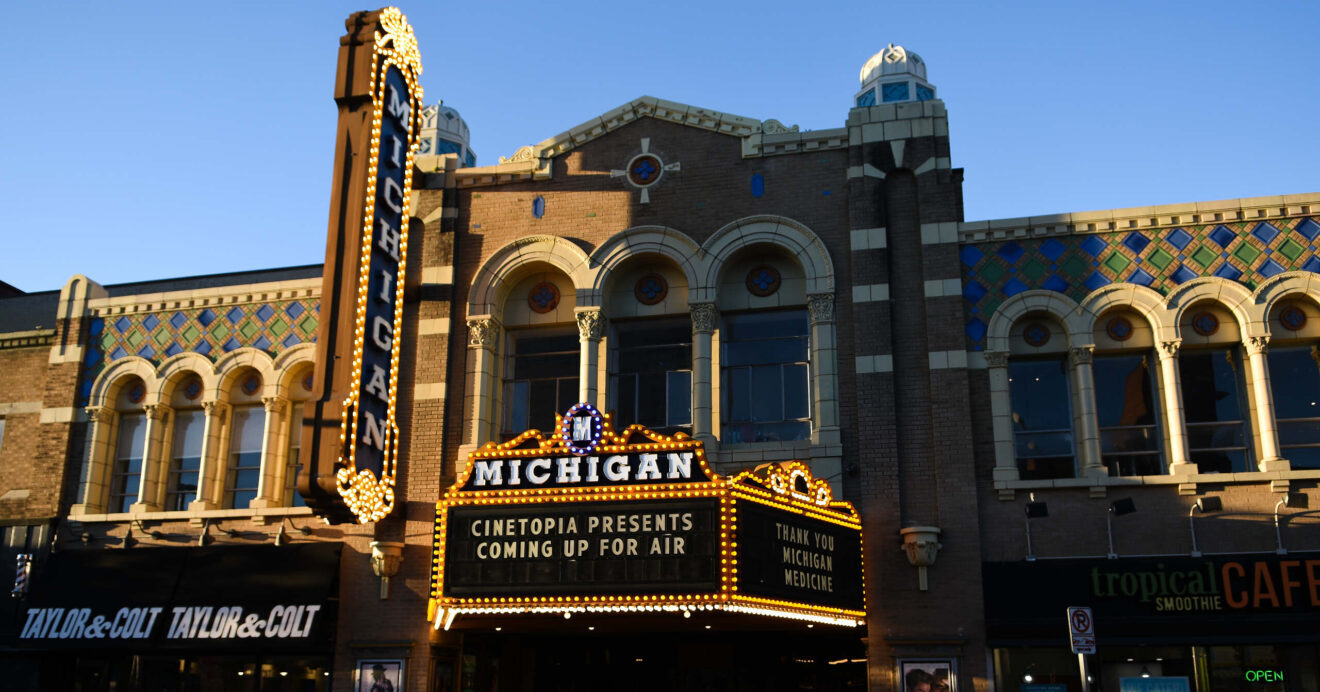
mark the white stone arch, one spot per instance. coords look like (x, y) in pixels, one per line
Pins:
(1281, 287)
(1144, 301)
(1061, 307)
(1232, 295)
(492, 281)
(228, 367)
(172, 369)
(640, 240)
(106, 386)
(287, 364)
(780, 231)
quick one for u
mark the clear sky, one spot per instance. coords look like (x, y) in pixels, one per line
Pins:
(148, 140)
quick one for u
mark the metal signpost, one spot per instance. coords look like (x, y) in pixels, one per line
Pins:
(1081, 634)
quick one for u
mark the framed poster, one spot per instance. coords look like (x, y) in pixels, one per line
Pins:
(379, 675)
(927, 675)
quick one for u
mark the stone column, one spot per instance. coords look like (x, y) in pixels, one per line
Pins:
(155, 459)
(1001, 407)
(591, 327)
(211, 474)
(96, 474)
(1083, 380)
(705, 316)
(483, 341)
(274, 454)
(1267, 429)
(1173, 407)
(824, 370)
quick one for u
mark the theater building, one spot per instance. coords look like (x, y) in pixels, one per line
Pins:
(675, 399)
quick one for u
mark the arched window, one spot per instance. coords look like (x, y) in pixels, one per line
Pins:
(652, 384)
(1211, 374)
(246, 441)
(542, 347)
(1294, 373)
(1127, 404)
(1041, 396)
(187, 445)
(764, 383)
(300, 392)
(130, 447)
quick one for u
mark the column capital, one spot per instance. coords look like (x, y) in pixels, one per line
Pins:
(218, 409)
(1169, 349)
(591, 323)
(483, 332)
(1256, 345)
(996, 359)
(1081, 355)
(100, 414)
(273, 404)
(157, 411)
(704, 316)
(820, 306)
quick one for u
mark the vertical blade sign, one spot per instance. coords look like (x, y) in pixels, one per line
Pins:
(370, 432)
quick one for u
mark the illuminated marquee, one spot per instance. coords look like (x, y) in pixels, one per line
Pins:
(370, 433)
(590, 520)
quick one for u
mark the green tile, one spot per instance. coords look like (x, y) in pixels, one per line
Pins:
(991, 304)
(308, 324)
(1074, 268)
(992, 272)
(1247, 253)
(1159, 259)
(135, 339)
(1034, 270)
(108, 342)
(278, 326)
(219, 332)
(1116, 263)
(1290, 250)
(162, 336)
(248, 329)
(1204, 256)
(189, 333)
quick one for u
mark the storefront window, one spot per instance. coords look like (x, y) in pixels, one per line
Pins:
(244, 473)
(1126, 406)
(127, 471)
(653, 380)
(185, 459)
(764, 383)
(1295, 382)
(541, 379)
(1217, 431)
(1042, 418)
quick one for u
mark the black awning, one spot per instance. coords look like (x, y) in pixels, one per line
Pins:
(216, 597)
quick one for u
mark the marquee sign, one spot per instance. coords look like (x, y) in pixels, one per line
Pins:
(593, 520)
(370, 430)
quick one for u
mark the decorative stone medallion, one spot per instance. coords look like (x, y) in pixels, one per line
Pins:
(543, 297)
(1293, 318)
(1205, 323)
(251, 384)
(763, 281)
(651, 289)
(1119, 329)
(1036, 334)
(645, 170)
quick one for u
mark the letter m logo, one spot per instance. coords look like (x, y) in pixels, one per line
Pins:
(582, 429)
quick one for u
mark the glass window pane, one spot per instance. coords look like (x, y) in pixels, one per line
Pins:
(1210, 385)
(797, 402)
(248, 425)
(626, 400)
(1133, 465)
(651, 400)
(767, 393)
(1295, 381)
(1215, 435)
(531, 345)
(1038, 390)
(1299, 432)
(679, 398)
(1120, 440)
(1123, 390)
(569, 393)
(765, 325)
(1219, 461)
(1043, 444)
(132, 436)
(188, 429)
(649, 333)
(1304, 457)
(736, 395)
(515, 399)
(545, 366)
(1045, 468)
(765, 352)
(543, 399)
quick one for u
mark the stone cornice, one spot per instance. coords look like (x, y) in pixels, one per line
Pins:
(207, 297)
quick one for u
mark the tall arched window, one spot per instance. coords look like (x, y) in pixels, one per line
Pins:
(764, 382)
(130, 447)
(187, 445)
(1040, 392)
(542, 348)
(1294, 373)
(246, 441)
(1214, 390)
(300, 392)
(1127, 404)
(652, 384)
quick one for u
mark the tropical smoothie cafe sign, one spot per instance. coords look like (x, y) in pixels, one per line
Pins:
(362, 295)
(593, 520)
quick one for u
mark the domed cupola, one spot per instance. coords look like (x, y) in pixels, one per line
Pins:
(894, 75)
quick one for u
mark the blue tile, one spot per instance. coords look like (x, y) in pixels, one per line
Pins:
(150, 322)
(290, 340)
(118, 353)
(85, 389)
(1270, 268)
(758, 189)
(1010, 251)
(1183, 275)
(1054, 283)
(173, 350)
(178, 319)
(1141, 277)
(1178, 238)
(975, 329)
(1096, 280)
(1052, 249)
(974, 291)
(538, 206)
(293, 310)
(1222, 235)
(264, 312)
(1265, 232)
(1228, 271)
(122, 324)
(93, 357)
(1013, 287)
(1136, 242)
(147, 351)
(231, 345)
(235, 315)
(206, 317)
(203, 347)
(970, 255)
(1312, 265)
(96, 326)
(1094, 245)
(261, 343)
(1308, 228)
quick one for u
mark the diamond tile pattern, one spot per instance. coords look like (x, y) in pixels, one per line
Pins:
(270, 327)
(1247, 252)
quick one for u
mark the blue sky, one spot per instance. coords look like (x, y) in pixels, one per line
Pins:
(151, 140)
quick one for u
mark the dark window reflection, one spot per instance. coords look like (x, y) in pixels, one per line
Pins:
(764, 377)
(1128, 415)
(1217, 431)
(652, 384)
(541, 380)
(1295, 385)
(1042, 418)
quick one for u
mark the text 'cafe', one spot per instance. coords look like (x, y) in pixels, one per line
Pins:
(631, 529)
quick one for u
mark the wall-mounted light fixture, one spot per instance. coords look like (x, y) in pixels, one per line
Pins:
(205, 536)
(922, 545)
(1035, 510)
(385, 559)
(279, 535)
(1117, 509)
(1291, 501)
(1205, 505)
